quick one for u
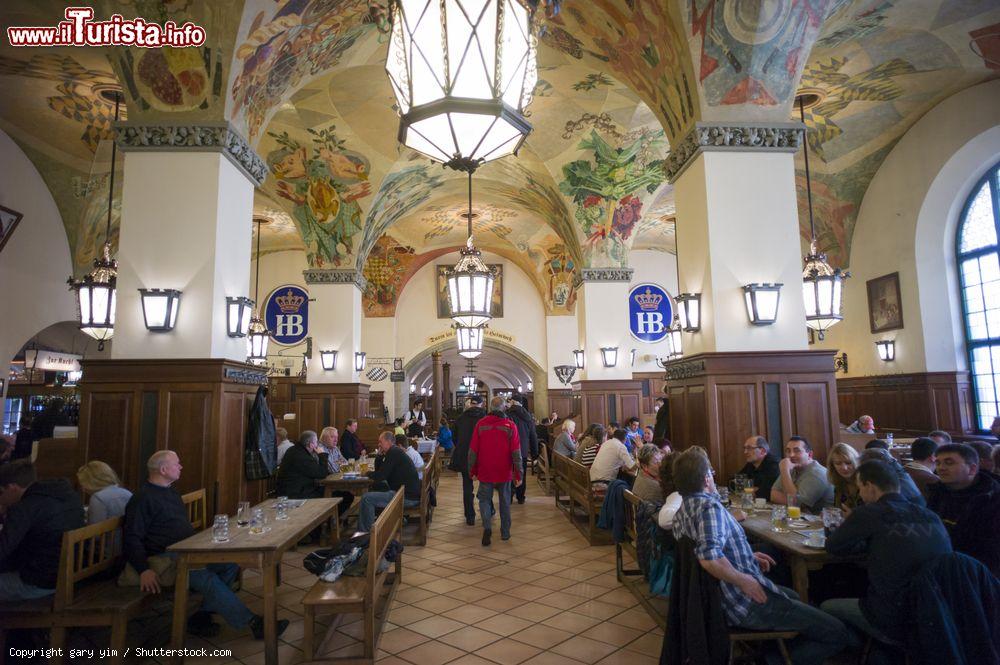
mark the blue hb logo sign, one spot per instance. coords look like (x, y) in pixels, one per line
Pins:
(650, 313)
(286, 314)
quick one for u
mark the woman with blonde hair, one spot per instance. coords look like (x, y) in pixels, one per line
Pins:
(565, 443)
(107, 498)
(841, 468)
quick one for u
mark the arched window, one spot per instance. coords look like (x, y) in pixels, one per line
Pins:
(979, 272)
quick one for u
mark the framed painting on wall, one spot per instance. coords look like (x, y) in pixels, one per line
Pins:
(443, 311)
(8, 222)
(885, 305)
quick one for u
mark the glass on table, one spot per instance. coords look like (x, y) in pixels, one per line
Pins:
(749, 493)
(258, 522)
(243, 514)
(779, 519)
(794, 510)
(723, 495)
(220, 529)
(832, 518)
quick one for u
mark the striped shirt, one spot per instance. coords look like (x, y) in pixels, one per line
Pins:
(716, 534)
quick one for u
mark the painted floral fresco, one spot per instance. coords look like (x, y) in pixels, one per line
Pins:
(171, 79)
(606, 189)
(489, 218)
(324, 181)
(386, 271)
(561, 271)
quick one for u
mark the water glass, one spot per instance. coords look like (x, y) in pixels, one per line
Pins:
(832, 518)
(258, 521)
(724, 495)
(281, 502)
(779, 517)
(281, 509)
(747, 498)
(220, 529)
(243, 514)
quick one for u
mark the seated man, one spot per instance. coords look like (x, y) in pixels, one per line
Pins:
(877, 443)
(907, 488)
(799, 473)
(283, 443)
(921, 467)
(863, 425)
(394, 468)
(633, 435)
(985, 452)
(761, 466)
(611, 458)
(749, 600)
(156, 518)
(968, 502)
(939, 437)
(334, 458)
(38, 513)
(403, 442)
(898, 537)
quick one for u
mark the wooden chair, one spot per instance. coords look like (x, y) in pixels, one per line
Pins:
(195, 503)
(424, 511)
(744, 638)
(360, 594)
(573, 479)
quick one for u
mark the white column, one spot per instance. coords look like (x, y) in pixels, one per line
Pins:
(335, 322)
(562, 335)
(602, 316)
(737, 223)
(186, 225)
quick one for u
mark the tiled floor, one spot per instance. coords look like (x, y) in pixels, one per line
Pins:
(544, 597)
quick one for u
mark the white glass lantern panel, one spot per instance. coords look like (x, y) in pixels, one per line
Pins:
(100, 304)
(682, 316)
(432, 136)
(809, 297)
(395, 66)
(453, 294)
(693, 309)
(767, 305)
(83, 296)
(470, 130)
(824, 296)
(155, 309)
(837, 302)
(749, 301)
(481, 290)
(470, 64)
(501, 140)
(677, 342)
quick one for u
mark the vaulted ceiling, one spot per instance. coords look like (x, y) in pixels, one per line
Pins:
(618, 81)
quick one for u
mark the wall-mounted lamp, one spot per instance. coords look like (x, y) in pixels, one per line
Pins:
(430, 392)
(840, 363)
(564, 373)
(238, 313)
(609, 355)
(689, 311)
(359, 361)
(531, 386)
(159, 308)
(413, 388)
(886, 349)
(329, 360)
(520, 388)
(423, 390)
(578, 356)
(762, 303)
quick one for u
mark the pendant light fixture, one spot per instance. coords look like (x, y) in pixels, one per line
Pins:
(822, 285)
(96, 294)
(463, 73)
(470, 341)
(258, 335)
(470, 283)
(469, 378)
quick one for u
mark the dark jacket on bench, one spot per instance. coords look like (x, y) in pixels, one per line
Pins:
(155, 518)
(396, 469)
(31, 540)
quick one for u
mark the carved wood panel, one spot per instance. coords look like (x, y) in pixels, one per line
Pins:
(185, 428)
(109, 417)
(628, 406)
(736, 419)
(595, 408)
(810, 414)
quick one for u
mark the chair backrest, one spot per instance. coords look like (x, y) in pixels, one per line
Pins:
(428, 480)
(631, 510)
(386, 527)
(579, 475)
(86, 552)
(195, 503)
(560, 465)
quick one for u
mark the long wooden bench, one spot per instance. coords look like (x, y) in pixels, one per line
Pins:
(632, 578)
(573, 479)
(425, 511)
(543, 468)
(83, 595)
(370, 595)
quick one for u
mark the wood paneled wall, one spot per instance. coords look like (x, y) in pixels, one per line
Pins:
(131, 408)
(320, 404)
(605, 401)
(561, 401)
(718, 400)
(910, 403)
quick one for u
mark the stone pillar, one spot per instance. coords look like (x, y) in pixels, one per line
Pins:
(540, 394)
(446, 399)
(602, 319)
(335, 322)
(437, 385)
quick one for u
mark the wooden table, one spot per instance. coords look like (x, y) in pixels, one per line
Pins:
(262, 551)
(801, 559)
(336, 482)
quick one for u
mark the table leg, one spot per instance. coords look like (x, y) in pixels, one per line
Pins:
(335, 531)
(270, 571)
(180, 609)
(800, 577)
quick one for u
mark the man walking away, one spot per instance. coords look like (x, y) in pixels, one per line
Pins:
(465, 424)
(495, 459)
(528, 434)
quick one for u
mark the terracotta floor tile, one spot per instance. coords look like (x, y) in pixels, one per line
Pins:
(571, 621)
(584, 649)
(623, 657)
(598, 609)
(504, 624)
(469, 638)
(542, 636)
(637, 618)
(438, 604)
(498, 584)
(469, 594)
(535, 612)
(287, 654)
(528, 592)
(412, 594)
(408, 614)
(471, 659)
(400, 639)
(470, 614)
(508, 652)
(554, 583)
(550, 658)
(431, 653)
(499, 602)
(442, 586)
(435, 626)
(563, 601)
(614, 634)
(649, 644)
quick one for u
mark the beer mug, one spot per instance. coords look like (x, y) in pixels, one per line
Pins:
(243, 514)
(258, 522)
(220, 529)
(779, 517)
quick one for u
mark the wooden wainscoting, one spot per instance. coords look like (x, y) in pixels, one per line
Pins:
(318, 405)
(910, 404)
(561, 401)
(604, 401)
(198, 408)
(718, 400)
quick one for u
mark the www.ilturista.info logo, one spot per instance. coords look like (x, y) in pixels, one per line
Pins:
(79, 29)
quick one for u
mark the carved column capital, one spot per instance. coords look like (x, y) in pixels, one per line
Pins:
(606, 274)
(732, 136)
(335, 276)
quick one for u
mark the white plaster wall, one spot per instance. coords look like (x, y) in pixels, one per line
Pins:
(658, 268)
(186, 224)
(602, 315)
(737, 223)
(907, 223)
(35, 262)
(276, 270)
(378, 340)
(562, 335)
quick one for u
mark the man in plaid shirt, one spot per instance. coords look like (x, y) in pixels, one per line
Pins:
(749, 599)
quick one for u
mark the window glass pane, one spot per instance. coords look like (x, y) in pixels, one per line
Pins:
(989, 267)
(974, 299)
(970, 272)
(979, 229)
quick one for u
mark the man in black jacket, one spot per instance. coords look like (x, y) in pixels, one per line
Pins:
(155, 519)
(350, 444)
(394, 468)
(661, 429)
(761, 466)
(38, 513)
(898, 538)
(528, 436)
(465, 424)
(303, 464)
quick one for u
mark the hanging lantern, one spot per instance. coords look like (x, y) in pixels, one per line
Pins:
(470, 341)
(469, 381)
(97, 298)
(674, 341)
(413, 388)
(470, 289)
(258, 337)
(463, 72)
(531, 386)
(762, 303)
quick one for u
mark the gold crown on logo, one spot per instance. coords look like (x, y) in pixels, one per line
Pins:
(289, 303)
(648, 300)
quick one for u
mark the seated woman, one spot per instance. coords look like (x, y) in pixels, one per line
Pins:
(647, 481)
(672, 500)
(565, 443)
(841, 467)
(591, 440)
(107, 498)
(444, 436)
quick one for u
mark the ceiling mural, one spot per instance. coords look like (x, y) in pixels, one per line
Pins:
(877, 67)
(386, 271)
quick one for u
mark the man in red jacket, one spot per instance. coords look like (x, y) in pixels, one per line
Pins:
(495, 459)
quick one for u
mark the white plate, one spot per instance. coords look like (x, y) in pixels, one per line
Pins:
(814, 546)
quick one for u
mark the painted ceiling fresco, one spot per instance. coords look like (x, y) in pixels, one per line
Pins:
(618, 81)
